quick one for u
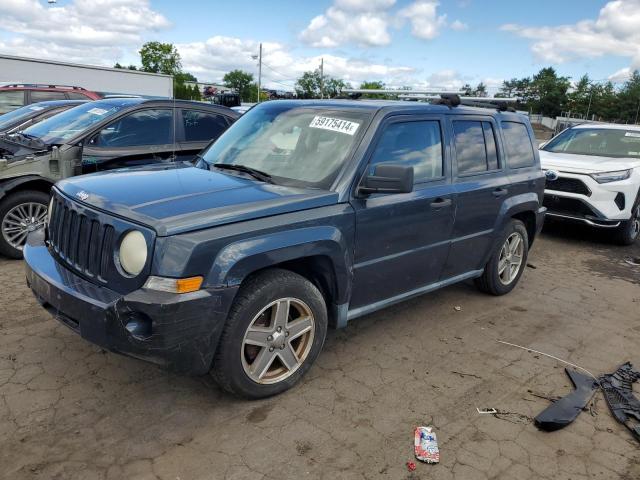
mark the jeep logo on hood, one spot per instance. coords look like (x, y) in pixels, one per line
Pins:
(82, 195)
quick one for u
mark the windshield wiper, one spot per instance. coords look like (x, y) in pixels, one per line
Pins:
(258, 174)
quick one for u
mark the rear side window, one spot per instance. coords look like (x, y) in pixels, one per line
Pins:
(146, 127)
(40, 96)
(77, 96)
(475, 146)
(202, 126)
(518, 145)
(10, 100)
(416, 144)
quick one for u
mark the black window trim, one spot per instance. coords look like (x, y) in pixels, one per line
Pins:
(499, 153)
(409, 118)
(87, 139)
(533, 150)
(180, 130)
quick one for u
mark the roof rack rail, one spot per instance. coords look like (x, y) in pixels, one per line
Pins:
(39, 85)
(449, 98)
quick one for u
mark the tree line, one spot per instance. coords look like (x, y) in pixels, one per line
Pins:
(545, 93)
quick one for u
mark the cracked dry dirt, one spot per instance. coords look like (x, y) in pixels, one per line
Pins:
(69, 410)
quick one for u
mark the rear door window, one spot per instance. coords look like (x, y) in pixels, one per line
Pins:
(146, 127)
(417, 144)
(518, 145)
(10, 100)
(202, 126)
(42, 96)
(475, 146)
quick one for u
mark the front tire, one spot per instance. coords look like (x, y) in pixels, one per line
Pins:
(274, 333)
(508, 261)
(629, 231)
(21, 213)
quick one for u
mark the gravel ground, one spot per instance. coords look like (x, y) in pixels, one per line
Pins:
(69, 410)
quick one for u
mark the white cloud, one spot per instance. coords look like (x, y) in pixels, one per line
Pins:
(96, 30)
(361, 22)
(616, 31)
(458, 26)
(211, 59)
(424, 18)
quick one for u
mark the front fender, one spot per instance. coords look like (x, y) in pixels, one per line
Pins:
(7, 185)
(239, 259)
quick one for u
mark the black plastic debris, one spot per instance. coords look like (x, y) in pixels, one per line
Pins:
(618, 391)
(565, 410)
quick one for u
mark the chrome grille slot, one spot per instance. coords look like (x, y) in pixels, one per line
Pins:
(82, 243)
(85, 240)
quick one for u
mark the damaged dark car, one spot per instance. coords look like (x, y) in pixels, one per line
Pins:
(95, 136)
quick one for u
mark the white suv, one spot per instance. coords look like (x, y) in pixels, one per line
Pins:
(593, 176)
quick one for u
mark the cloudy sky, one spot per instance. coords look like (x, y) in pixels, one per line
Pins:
(402, 42)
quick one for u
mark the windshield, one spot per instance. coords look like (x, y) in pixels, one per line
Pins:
(9, 119)
(294, 144)
(66, 125)
(605, 142)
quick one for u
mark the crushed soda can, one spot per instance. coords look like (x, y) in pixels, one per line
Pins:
(426, 445)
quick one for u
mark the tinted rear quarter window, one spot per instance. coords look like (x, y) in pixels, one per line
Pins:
(41, 96)
(202, 126)
(518, 145)
(417, 144)
(10, 100)
(475, 146)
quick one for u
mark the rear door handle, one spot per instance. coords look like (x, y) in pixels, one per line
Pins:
(500, 192)
(441, 202)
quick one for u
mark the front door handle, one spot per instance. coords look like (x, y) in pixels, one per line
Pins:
(441, 202)
(500, 192)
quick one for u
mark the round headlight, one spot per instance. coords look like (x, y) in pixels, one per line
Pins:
(133, 252)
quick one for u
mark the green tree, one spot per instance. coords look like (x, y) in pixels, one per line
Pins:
(157, 57)
(548, 92)
(130, 67)
(629, 99)
(580, 99)
(375, 85)
(242, 83)
(308, 85)
(311, 85)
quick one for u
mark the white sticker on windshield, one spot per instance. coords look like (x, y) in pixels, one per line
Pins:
(97, 111)
(36, 109)
(334, 124)
(632, 134)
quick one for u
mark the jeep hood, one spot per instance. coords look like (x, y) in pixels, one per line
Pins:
(180, 198)
(572, 163)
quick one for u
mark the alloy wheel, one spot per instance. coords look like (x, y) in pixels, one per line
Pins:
(22, 220)
(511, 255)
(278, 340)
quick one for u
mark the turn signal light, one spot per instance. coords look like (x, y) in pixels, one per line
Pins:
(174, 285)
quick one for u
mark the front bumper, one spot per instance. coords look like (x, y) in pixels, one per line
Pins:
(603, 205)
(182, 331)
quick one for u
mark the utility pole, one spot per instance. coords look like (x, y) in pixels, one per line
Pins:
(322, 78)
(259, 72)
(637, 111)
(589, 107)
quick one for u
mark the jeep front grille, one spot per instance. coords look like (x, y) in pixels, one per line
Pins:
(82, 243)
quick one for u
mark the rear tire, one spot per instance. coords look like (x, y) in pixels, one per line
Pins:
(629, 231)
(508, 261)
(274, 332)
(20, 213)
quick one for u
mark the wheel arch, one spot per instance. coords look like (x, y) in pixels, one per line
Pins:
(27, 182)
(319, 254)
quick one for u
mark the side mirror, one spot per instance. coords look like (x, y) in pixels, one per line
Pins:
(388, 178)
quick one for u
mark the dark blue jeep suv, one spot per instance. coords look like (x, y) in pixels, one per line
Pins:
(304, 214)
